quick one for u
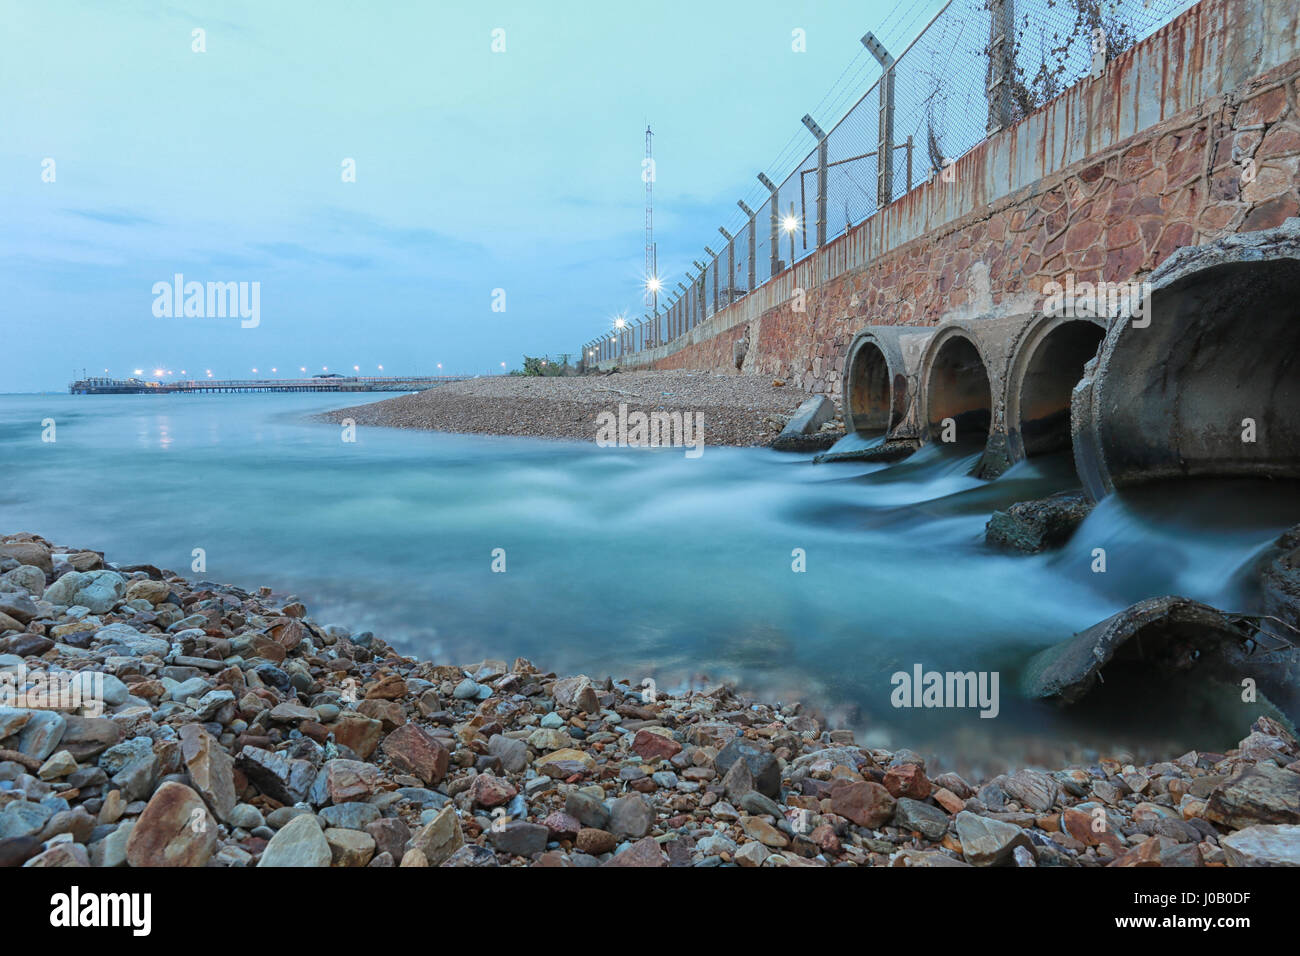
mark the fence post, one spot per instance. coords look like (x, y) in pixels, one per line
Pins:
(885, 147)
(714, 257)
(909, 163)
(821, 177)
(751, 274)
(776, 241)
(731, 266)
(1001, 63)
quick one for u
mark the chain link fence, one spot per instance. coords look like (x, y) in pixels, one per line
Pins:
(978, 66)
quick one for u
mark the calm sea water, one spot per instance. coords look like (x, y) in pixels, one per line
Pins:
(644, 564)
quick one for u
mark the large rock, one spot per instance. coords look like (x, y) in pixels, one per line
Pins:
(281, 778)
(1262, 793)
(631, 816)
(440, 838)
(1263, 845)
(519, 838)
(300, 842)
(576, 693)
(810, 416)
(763, 765)
(415, 751)
(212, 772)
(644, 852)
(866, 803)
(1033, 526)
(17, 605)
(930, 822)
(173, 830)
(989, 842)
(88, 737)
(29, 552)
(1033, 788)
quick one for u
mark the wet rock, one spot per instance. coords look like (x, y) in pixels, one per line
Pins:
(1033, 526)
(174, 830)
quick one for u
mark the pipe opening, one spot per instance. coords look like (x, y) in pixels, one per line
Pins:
(1211, 387)
(1053, 370)
(869, 391)
(959, 401)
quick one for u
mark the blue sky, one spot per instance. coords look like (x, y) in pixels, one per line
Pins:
(475, 170)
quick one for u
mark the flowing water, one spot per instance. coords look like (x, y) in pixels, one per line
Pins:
(645, 563)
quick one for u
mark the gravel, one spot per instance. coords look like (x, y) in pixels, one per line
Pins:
(736, 409)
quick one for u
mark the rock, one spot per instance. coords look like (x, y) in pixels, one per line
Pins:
(100, 591)
(85, 738)
(61, 854)
(174, 830)
(512, 753)
(471, 854)
(631, 816)
(300, 842)
(30, 553)
(342, 781)
(752, 854)
(23, 819)
(111, 851)
(989, 842)
(25, 577)
(576, 693)
(562, 826)
(755, 803)
(930, 822)
(349, 847)
(350, 816)
(18, 606)
(413, 750)
(868, 804)
(763, 766)
(15, 851)
(595, 841)
(587, 810)
(486, 790)
(211, 771)
(756, 828)
(437, 840)
(282, 779)
(41, 733)
(1262, 793)
(1033, 526)
(519, 838)
(907, 780)
(390, 834)
(1034, 789)
(358, 733)
(642, 853)
(57, 766)
(654, 743)
(738, 781)
(155, 592)
(564, 763)
(811, 414)
(1263, 845)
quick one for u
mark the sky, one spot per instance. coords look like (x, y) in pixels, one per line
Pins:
(508, 177)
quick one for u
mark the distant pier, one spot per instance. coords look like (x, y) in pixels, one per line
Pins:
(323, 383)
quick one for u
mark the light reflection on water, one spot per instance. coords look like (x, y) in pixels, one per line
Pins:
(640, 563)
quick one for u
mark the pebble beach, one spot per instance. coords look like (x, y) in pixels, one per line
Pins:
(210, 726)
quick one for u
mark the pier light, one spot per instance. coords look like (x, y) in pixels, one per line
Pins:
(254, 371)
(789, 224)
(324, 368)
(356, 368)
(274, 371)
(302, 368)
(182, 371)
(620, 322)
(654, 284)
(138, 371)
(209, 373)
(381, 368)
(503, 364)
(157, 373)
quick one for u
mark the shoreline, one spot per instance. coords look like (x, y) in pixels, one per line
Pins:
(238, 731)
(735, 410)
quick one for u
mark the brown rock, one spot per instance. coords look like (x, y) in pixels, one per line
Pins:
(867, 804)
(212, 772)
(641, 853)
(593, 841)
(413, 750)
(174, 830)
(652, 744)
(907, 780)
(359, 734)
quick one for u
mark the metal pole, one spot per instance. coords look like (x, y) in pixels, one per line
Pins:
(909, 163)
(885, 149)
(1001, 62)
(751, 273)
(821, 178)
(776, 240)
(731, 265)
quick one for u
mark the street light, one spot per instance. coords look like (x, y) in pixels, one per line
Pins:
(790, 224)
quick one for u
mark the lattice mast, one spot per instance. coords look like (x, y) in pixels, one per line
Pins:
(651, 297)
